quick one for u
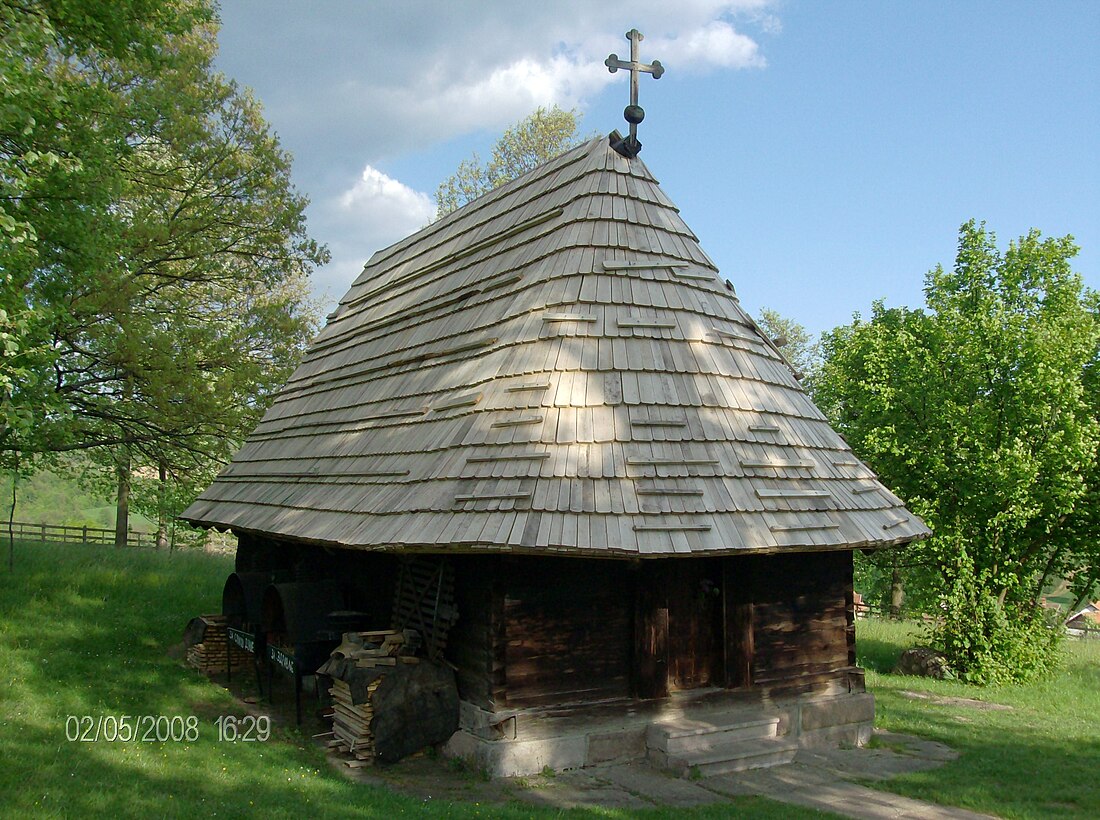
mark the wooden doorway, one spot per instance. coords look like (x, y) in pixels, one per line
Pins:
(678, 626)
(695, 624)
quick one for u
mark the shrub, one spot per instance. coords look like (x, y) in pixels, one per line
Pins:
(988, 641)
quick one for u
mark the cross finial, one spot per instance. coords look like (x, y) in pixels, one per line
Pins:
(633, 113)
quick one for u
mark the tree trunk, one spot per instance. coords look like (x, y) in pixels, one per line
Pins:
(122, 506)
(897, 594)
(162, 509)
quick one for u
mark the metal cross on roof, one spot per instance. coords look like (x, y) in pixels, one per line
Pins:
(629, 147)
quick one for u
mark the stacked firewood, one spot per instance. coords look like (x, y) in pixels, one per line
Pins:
(353, 690)
(208, 646)
(351, 722)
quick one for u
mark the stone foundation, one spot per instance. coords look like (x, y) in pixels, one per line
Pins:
(528, 742)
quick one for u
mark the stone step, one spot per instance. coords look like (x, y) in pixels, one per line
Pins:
(688, 736)
(734, 757)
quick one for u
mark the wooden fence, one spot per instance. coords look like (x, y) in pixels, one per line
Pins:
(60, 534)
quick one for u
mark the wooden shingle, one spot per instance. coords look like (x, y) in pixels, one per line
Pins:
(557, 366)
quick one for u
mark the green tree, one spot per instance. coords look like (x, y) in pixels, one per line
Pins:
(797, 344)
(158, 287)
(55, 177)
(543, 135)
(981, 411)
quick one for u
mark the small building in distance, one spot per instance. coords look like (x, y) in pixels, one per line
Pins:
(1085, 621)
(543, 431)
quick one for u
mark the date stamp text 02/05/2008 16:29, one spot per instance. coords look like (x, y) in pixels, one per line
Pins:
(163, 729)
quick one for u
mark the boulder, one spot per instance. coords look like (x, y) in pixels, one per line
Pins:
(924, 662)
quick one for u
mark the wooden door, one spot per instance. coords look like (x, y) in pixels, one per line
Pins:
(695, 624)
(678, 631)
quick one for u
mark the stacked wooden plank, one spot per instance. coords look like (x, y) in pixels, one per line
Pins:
(351, 721)
(213, 649)
(352, 714)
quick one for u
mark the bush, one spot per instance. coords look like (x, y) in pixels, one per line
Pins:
(987, 641)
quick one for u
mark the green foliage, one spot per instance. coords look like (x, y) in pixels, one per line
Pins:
(798, 345)
(154, 260)
(986, 640)
(526, 145)
(980, 412)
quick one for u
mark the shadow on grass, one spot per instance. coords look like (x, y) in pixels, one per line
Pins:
(1020, 763)
(877, 654)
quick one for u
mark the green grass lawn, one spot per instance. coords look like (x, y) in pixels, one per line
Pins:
(89, 630)
(1039, 759)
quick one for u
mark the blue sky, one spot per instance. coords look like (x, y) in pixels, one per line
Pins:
(824, 153)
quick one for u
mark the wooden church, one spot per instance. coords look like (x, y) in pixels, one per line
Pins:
(547, 418)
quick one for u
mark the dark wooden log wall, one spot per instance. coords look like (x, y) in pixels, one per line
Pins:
(568, 626)
(535, 631)
(801, 615)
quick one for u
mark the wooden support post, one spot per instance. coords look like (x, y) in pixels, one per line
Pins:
(737, 594)
(298, 697)
(650, 632)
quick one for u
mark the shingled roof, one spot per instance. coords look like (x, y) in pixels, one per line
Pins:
(556, 367)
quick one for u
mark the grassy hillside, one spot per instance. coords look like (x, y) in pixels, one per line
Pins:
(57, 498)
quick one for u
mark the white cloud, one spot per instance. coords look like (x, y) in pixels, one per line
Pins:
(381, 210)
(716, 44)
(376, 211)
(385, 204)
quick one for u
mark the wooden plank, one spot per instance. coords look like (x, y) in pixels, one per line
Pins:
(491, 496)
(738, 591)
(657, 462)
(645, 323)
(650, 634)
(802, 527)
(622, 265)
(799, 463)
(896, 522)
(518, 422)
(541, 456)
(672, 528)
(792, 493)
(458, 401)
(570, 317)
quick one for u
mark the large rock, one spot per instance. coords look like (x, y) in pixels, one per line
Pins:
(924, 662)
(414, 708)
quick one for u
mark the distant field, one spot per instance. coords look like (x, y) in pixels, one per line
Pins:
(52, 498)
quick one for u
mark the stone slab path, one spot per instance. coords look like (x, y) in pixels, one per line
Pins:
(816, 779)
